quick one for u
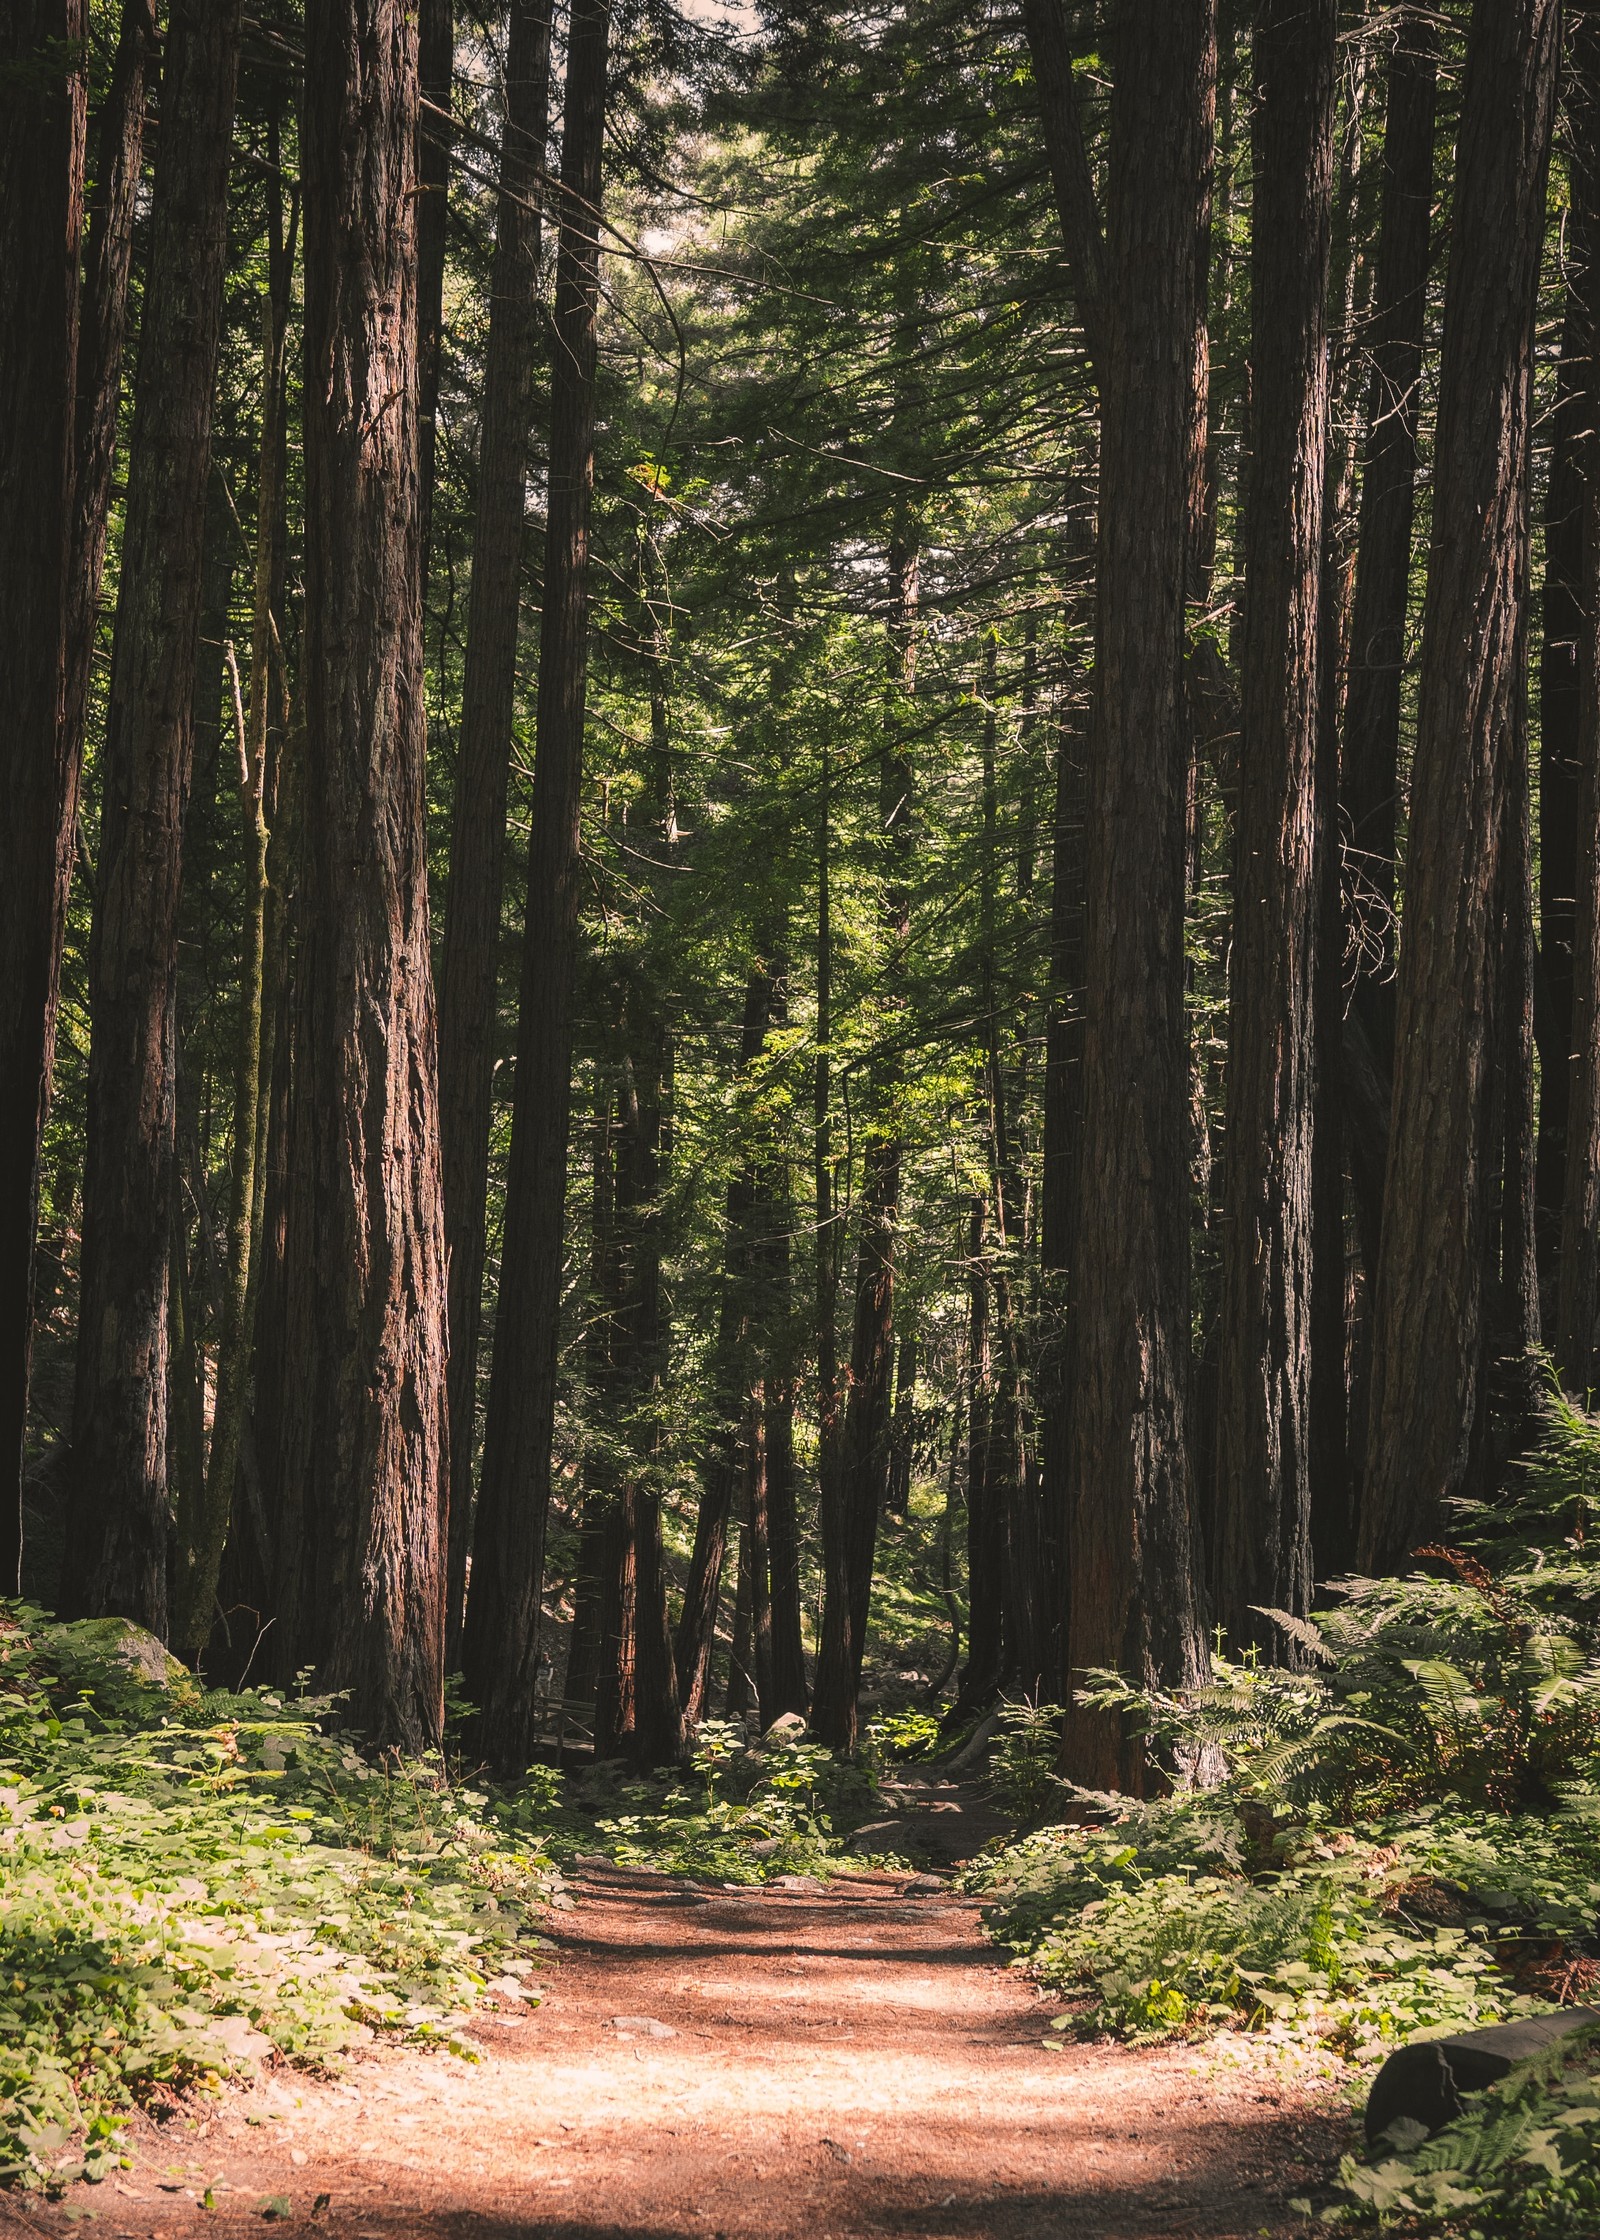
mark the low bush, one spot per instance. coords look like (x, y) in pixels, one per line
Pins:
(192, 1883)
(1402, 1838)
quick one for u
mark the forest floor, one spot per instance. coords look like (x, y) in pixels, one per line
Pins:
(722, 2063)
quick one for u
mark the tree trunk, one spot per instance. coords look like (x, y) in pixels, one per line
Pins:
(1132, 1599)
(120, 1408)
(783, 1529)
(1428, 1316)
(436, 49)
(1370, 775)
(1063, 1112)
(366, 1440)
(1264, 1394)
(468, 971)
(697, 1622)
(981, 1675)
(500, 1642)
(1561, 735)
(1578, 1295)
(201, 1552)
(41, 218)
(113, 215)
(864, 1453)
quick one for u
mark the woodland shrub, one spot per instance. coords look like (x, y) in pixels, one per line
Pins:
(1405, 1840)
(192, 1883)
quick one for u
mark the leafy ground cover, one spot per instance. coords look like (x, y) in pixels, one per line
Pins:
(192, 1883)
(1395, 1836)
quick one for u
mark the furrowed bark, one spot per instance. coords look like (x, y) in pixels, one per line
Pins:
(1131, 1542)
(120, 1407)
(1264, 1399)
(436, 46)
(1370, 779)
(1428, 1324)
(500, 1642)
(365, 1443)
(41, 222)
(468, 974)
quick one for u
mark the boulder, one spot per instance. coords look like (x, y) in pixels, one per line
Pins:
(113, 1649)
(1425, 2081)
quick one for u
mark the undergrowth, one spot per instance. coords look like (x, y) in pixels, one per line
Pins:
(1401, 1838)
(192, 1883)
(745, 1810)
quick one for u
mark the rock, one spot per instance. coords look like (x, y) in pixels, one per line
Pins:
(787, 1727)
(767, 1848)
(1424, 2082)
(641, 2026)
(801, 1882)
(116, 1649)
(922, 1886)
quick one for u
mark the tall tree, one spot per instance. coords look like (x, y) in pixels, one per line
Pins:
(113, 214)
(120, 1409)
(864, 1446)
(500, 1643)
(1263, 1409)
(467, 978)
(1130, 1535)
(42, 123)
(366, 1438)
(1370, 772)
(1578, 1299)
(1428, 1328)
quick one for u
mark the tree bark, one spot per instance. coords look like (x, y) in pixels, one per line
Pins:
(1264, 1397)
(1578, 1292)
(500, 1642)
(120, 1408)
(366, 1441)
(468, 971)
(697, 1622)
(41, 220)
(1428, 1319)
(1561, 734)
(864, 1448)
(1130, 1552)
(436, 50)
(1370, 780)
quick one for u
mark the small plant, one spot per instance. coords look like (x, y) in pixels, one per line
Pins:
(1022, 1765)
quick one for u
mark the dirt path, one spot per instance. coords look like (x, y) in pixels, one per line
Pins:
(726, 2064)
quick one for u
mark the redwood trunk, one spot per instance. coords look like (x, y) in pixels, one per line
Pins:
(120, 1407)
(366, 1436)
(1131, 1542)
(500, 1643)
(436, 48)
(1428, 1318)
(41, 216)
(1264, 1397)
(1578, 1291)
(468, 972)
(1370, 775)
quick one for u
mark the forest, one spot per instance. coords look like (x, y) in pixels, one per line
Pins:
(800, 981)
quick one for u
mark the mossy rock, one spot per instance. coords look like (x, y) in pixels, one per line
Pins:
(119, 1663)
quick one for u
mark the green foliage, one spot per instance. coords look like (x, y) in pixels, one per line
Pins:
(191, 1883)
(783, 1805)
(905, 1735)
(1522, 2162)
(1022, 1765)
